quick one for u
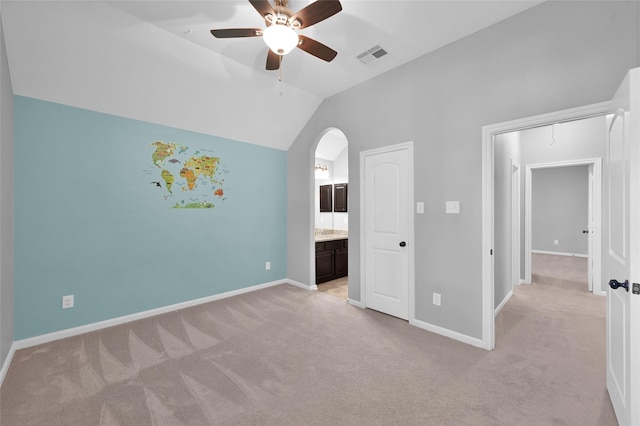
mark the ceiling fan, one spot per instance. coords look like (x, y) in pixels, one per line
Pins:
(281, 33)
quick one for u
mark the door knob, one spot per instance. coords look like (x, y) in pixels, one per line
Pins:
(402, 244)
(614, 284)
(585, 231)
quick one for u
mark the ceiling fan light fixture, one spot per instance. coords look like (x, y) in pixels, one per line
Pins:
(281, 39)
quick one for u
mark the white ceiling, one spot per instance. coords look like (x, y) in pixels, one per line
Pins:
(157, 61)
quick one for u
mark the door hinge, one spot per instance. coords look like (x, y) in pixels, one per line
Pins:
(635, 288)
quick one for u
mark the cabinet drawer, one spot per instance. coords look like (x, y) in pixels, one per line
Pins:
(333, 245)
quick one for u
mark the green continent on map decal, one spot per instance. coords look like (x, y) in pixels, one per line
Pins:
(163, 150)
(168, 179)
(197, 205)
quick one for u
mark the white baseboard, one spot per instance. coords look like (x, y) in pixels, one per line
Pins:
(559, 253)
(303, 286)
(7, 363)
(62, 334)
(356, 303)
(448, 333)
(503, 303)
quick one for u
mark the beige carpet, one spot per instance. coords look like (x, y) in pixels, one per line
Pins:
(286, 356)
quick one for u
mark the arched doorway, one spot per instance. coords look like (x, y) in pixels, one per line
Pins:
(331, 213)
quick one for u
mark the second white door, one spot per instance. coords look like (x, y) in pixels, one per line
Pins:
(387, 229)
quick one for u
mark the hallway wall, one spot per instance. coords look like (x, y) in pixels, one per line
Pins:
(559, 209)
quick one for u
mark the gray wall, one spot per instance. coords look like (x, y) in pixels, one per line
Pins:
(580, 139)
(555, 56)
(559, 209)
(6, 204)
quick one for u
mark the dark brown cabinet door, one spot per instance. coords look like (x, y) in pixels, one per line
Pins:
(340, 197)
(324, 266)
(341, 262)
(332, 259)
(326, 193)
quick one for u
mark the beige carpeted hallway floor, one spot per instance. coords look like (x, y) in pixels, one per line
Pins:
(286, 356)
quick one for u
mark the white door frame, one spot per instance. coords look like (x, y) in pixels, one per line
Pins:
(488, 135)
(410, 225)
(595, 212)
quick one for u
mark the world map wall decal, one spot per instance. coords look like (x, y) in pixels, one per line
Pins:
(187, 178)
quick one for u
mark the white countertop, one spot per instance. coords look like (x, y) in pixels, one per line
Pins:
(331, 237)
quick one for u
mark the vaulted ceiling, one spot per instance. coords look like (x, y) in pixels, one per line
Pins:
(157, 61)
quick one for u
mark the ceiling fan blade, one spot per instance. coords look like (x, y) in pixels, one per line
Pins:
(237, 32)
(316, 48)
(317, 11)
(263, 7)
(273, 61)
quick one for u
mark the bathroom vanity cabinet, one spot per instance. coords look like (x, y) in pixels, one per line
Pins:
(331, 260)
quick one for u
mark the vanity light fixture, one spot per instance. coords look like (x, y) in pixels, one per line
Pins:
(321, 172)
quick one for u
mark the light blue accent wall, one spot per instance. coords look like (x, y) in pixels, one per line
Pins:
(89, 222)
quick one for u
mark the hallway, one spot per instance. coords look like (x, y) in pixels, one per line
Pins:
(555, 330)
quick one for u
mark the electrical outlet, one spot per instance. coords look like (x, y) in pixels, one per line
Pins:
(555, 242)
(67, 301)
(437, 299)
(267, 266)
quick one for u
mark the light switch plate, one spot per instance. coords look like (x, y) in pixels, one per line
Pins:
(453, 207)
(420, 207)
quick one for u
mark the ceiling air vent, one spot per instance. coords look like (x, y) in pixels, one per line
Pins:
(371, 55)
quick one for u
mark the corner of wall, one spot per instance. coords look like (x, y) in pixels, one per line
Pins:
(6, 207)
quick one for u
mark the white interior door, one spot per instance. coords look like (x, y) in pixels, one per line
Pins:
(622, 260)
(386, 199)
